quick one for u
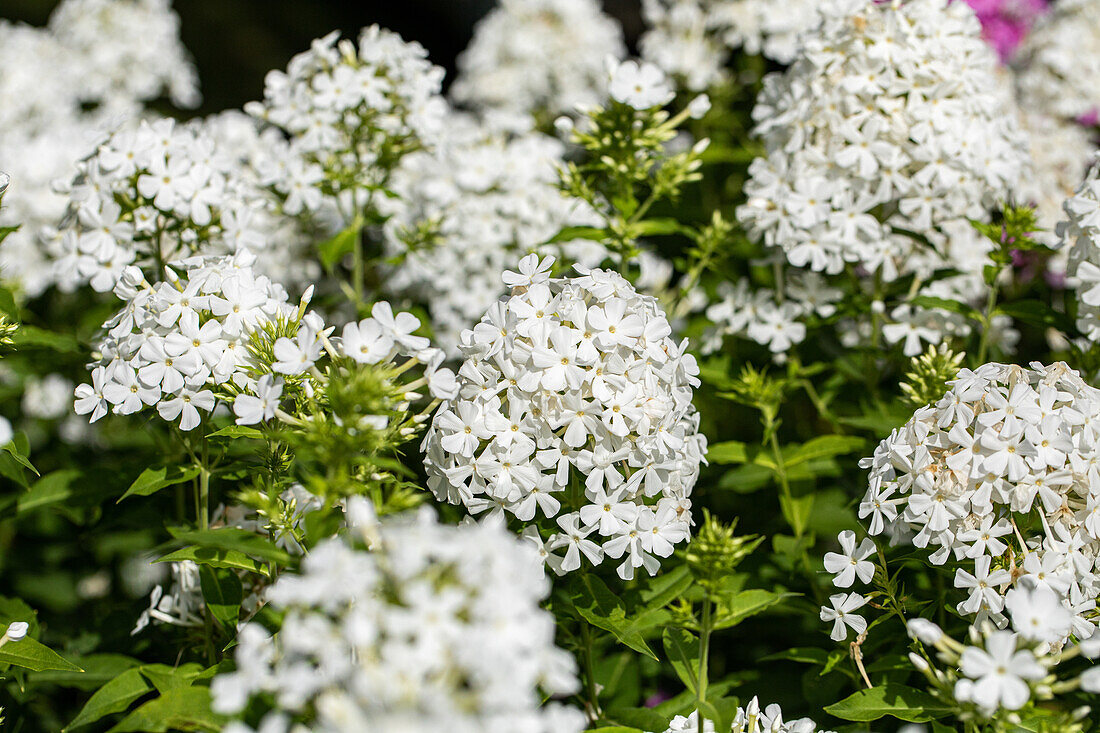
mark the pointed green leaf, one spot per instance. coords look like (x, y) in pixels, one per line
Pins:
(156, 478)
(216, 558)
(114, 697)
(32, 655)
(898, 701)
(682, 650)
(603, 609)
(184, 708)
(50, 489)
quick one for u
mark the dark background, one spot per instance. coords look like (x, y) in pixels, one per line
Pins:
(235, 42)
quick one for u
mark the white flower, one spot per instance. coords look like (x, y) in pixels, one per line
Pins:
(859, 155)
(436, 627)
(1002, 466)
(574, 382)
(6, 433)
(1000, 672)
(841, 613)
(852, 562)
(1059, 61)
(538, 56)
(1038, 614)
(639, 85)
(262, 404)
(17, 630)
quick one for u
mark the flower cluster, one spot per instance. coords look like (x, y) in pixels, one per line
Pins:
(1000, 475)
(761, 316)
(65, 85)
(1080, 233)
(434, 628)
(999, 672)
(174, 341)
(748, 719)
(466, 210)
(573, 393)
(889, 124)
(693, 39)
(1060, 152)
(132, 44)
(148, 196)
(538, 56)
(1059, 62)
(350, 113)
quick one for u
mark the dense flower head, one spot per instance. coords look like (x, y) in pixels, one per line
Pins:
(350, 113)
(538, 56)
(1080, 233)
(891, 122)
(748, 719)
(151, 193)
(176, 340)
(1000, 476)
(574, 403)
(1059, 62)
(132, 46)
(1060, 152)
(694, 39)
(433, 628)
(63, 88)
(466, 210)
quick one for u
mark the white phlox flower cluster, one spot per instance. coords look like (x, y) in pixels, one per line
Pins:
(487, 198)
(1003, 670)
(1058, 66)
(749, 719)
(574, 403)
(538, 56)
(150, 194)
(173, 343)
(134, 47)
(1080, 235)
(63, 87)
(258, 155)
(350, 113)
(1061, 153)
(434, 628)
(693, 40)
(999, 476)
(890, 124)
(761, 316)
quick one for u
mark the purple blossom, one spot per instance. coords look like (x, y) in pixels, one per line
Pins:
(1005, 23)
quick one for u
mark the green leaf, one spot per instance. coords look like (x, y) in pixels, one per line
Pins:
(568, 234)
(30, 337)
(603, 609)
(644, 719)
(682, 650)
(736, 607)
(1037, 313)
(166, 678)
(730, 451)
(804, 655)
(185, 708)
(797, 510)
(953, 306)
(333, 250)
(50, 489)
(825, 446)
(223, 594)
(17, 448)
(656, 227)
(99, 669)
(30, 654)
(233, 538)
(898, 701)
(156, 478)
(237, 431)
(114, 697)
(216, 558)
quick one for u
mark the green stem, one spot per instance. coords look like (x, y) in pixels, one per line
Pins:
(987, 319)
(704, 661)
(594, 711)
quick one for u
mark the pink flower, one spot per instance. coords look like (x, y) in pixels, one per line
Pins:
(1005, 23)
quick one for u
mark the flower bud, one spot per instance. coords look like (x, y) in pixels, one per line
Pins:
(699, 107)
(5, 181)
(924, 630)
(17, 630)
(919, 662)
